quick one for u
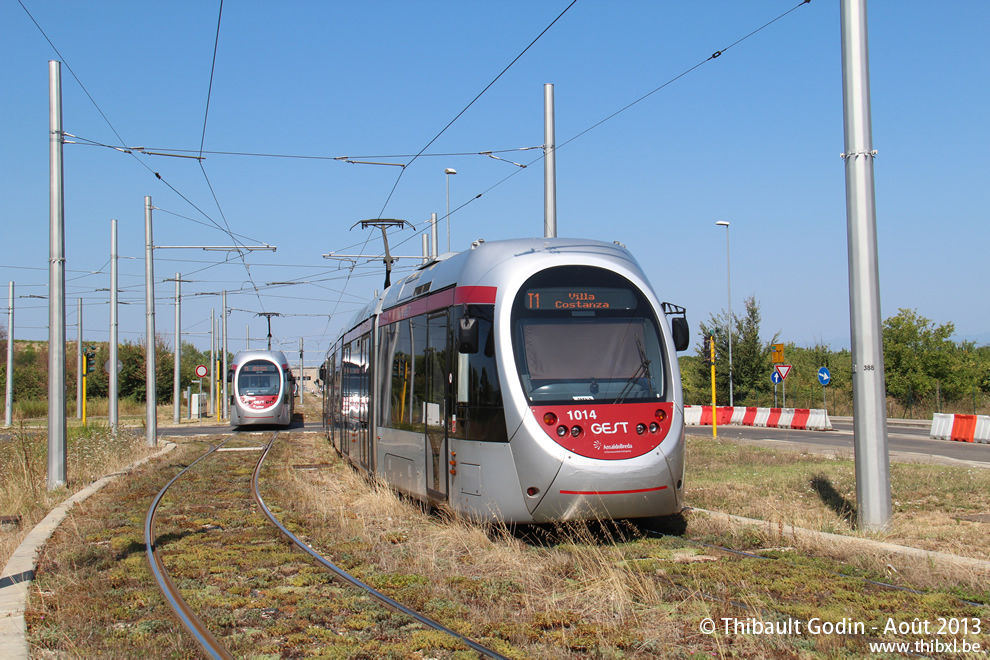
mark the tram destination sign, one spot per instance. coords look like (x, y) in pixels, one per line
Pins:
(569, 298)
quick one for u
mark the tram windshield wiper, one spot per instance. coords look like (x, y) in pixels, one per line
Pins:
(642, 371)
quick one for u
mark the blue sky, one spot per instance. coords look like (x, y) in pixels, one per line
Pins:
(752, 138)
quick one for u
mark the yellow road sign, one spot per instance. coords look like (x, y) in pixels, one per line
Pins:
(777, 353)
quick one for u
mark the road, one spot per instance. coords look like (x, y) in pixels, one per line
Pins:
(907, 441)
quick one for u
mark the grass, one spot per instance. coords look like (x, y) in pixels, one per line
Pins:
(585, 591)
(818, 492)
(91, 453)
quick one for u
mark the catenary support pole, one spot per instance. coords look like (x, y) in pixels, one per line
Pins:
(9, 406)
(869, 399)
(213, 366)
(301, 380)
(114, 420)
(56, 285)
(177, 370)
(151, 389)
(549, 165)
(226, 401)
(79, 359)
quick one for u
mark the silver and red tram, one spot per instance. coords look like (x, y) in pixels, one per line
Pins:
(262, 389)
(530, 380)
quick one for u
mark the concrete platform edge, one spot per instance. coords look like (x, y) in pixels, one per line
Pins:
(16, 577)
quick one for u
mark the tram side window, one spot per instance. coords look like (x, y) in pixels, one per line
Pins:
(388, 342)
(336, 398)
(355, 383)
(480, 415)
(404, 350)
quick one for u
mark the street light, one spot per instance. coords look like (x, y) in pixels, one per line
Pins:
(728, 325)
(448, 172)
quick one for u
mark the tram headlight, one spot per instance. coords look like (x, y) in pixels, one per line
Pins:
(654, 427)
(576, 431)
(561, 431)
(641, 429)
(661, 415)
(549, 419)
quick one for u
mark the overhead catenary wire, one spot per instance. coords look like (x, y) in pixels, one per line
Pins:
(354, 271)
(480, 94)
(621, 110)
(158, 175)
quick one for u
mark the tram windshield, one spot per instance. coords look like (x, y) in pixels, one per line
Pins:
(586, 334)
(258, 378)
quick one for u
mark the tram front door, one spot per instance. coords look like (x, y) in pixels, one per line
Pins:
(436, 410)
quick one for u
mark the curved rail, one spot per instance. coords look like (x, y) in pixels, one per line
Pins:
(342, 574)
(191, 622)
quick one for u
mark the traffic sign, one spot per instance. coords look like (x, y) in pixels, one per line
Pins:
(782, 370)
(106, 366)
(824, 377)
(777, 353)
(201, 371)
(775, 378)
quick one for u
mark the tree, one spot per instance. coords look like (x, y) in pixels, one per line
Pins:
(919, 358)
(751, 365)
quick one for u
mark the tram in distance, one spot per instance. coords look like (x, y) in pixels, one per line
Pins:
(527, 381)
(262, 389)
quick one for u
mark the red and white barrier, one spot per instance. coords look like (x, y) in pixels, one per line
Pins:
(962, 428)
(776, 418)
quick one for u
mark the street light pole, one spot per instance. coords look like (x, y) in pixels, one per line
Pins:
(728, 325)
(448, 172)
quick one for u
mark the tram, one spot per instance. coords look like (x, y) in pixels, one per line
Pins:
(262, 389)
(527, 381)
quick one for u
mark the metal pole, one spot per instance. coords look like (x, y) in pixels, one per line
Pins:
(226, 402)
(9, 407)
(114, 328)
(56, 285)
(151, 389)
(728, 280)
(435, 248)
(448, 171)
(426, 248)
(869, 396)
(79, 360)
(247, 337)
(218, 373)
(300, 371)
(213, 365)
(176, 386)
(549, 165)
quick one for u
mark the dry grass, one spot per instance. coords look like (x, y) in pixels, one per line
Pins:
(606, 588)
(818, 492)
(91, 453)
(578, 591)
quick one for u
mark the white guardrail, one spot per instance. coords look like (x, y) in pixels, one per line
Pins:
(776, 418)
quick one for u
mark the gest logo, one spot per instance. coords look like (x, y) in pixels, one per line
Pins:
(610, 429)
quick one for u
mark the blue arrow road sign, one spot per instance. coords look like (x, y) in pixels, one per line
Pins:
(824, 377)
(775, 378)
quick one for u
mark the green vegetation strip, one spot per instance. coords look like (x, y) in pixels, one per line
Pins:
(582, 591)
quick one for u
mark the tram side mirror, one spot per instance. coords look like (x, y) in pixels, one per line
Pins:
(682, 334)
(323, 372)
(467, 335)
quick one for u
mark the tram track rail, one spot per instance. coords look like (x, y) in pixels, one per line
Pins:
(190, 621)
(209, 642)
